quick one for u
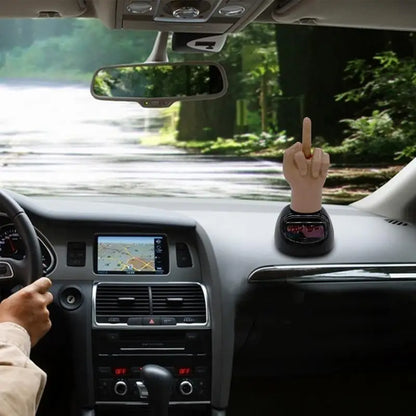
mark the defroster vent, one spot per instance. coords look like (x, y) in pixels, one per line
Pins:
(146, 305)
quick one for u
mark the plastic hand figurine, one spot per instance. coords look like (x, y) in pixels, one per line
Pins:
(304, 228)
(305, 172)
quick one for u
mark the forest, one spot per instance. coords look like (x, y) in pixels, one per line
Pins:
(356, 85)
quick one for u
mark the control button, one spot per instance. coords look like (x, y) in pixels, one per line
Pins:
(112, 336)
(120, 388)
(190, 320)
(104, 386)
(113, 320)
(168, 321)
(104, 370)
(135, 370)
(75, 254)
(134, 321)
(184, 371)
(120, 371)
(200, 384)
(186, 388)
(200, 370)
(5, 270)
(143, 392)
(151, 321)
(183, 256)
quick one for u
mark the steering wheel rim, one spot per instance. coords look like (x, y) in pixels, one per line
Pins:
(30, 267)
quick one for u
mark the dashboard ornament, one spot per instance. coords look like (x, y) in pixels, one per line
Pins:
(304, 227)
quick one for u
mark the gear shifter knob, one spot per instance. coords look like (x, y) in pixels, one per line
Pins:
(159, 383)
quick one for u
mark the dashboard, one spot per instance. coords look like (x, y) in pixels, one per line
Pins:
(200, 288)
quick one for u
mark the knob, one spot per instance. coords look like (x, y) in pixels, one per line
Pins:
(120, 388)
(186, 388)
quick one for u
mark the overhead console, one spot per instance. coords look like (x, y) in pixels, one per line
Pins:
(190, 16)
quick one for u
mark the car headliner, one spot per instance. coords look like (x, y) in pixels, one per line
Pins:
(382, 14)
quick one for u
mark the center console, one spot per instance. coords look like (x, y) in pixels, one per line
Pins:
(135, 324)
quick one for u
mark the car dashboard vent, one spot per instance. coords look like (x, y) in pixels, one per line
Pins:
(178, 300)
(396, 222)
(144, 305)
(120, 301)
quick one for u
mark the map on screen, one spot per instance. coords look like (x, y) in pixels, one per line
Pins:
(127, 254)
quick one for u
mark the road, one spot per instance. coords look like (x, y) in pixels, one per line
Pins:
(57, 140)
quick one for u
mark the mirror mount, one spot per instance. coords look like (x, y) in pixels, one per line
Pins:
(159, 52)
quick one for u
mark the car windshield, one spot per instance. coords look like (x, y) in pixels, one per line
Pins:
(56, 139)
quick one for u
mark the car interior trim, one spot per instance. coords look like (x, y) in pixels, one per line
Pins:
(333, 272)
(205, 325)
(132, 404)
(44, 242)
(9, 271)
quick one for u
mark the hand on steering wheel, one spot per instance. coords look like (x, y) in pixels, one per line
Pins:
(28, 308)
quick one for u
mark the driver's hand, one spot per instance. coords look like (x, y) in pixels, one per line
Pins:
(28, 308)
(305, 172)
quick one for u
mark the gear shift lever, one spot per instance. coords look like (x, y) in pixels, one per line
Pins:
(159, 383)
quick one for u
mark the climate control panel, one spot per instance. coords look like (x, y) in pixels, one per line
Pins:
(119, 357)
(125, 384)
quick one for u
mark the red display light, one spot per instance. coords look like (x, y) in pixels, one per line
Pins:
(120, 371)
(185, 371)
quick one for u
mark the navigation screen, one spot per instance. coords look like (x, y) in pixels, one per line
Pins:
(142, 254)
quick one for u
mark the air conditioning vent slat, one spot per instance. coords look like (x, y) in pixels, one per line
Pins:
(193, 301)
(116, 303)
(108, 304)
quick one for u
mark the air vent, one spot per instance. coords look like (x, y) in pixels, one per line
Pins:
(178, 301)
(396, 222)
(150, 305)
(116, 303)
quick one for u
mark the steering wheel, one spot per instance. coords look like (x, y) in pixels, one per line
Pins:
(30, 268)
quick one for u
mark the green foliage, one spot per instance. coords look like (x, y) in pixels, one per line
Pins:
(254, 74)
(387, 86)
(78, 47)
(386, 83)
(371, 138)
(165, 80)
(243, 145)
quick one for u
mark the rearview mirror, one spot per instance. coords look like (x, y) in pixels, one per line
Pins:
(160, 84)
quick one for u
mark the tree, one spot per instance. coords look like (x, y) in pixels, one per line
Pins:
(252, 79)
(385, 89)
(312, 62)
